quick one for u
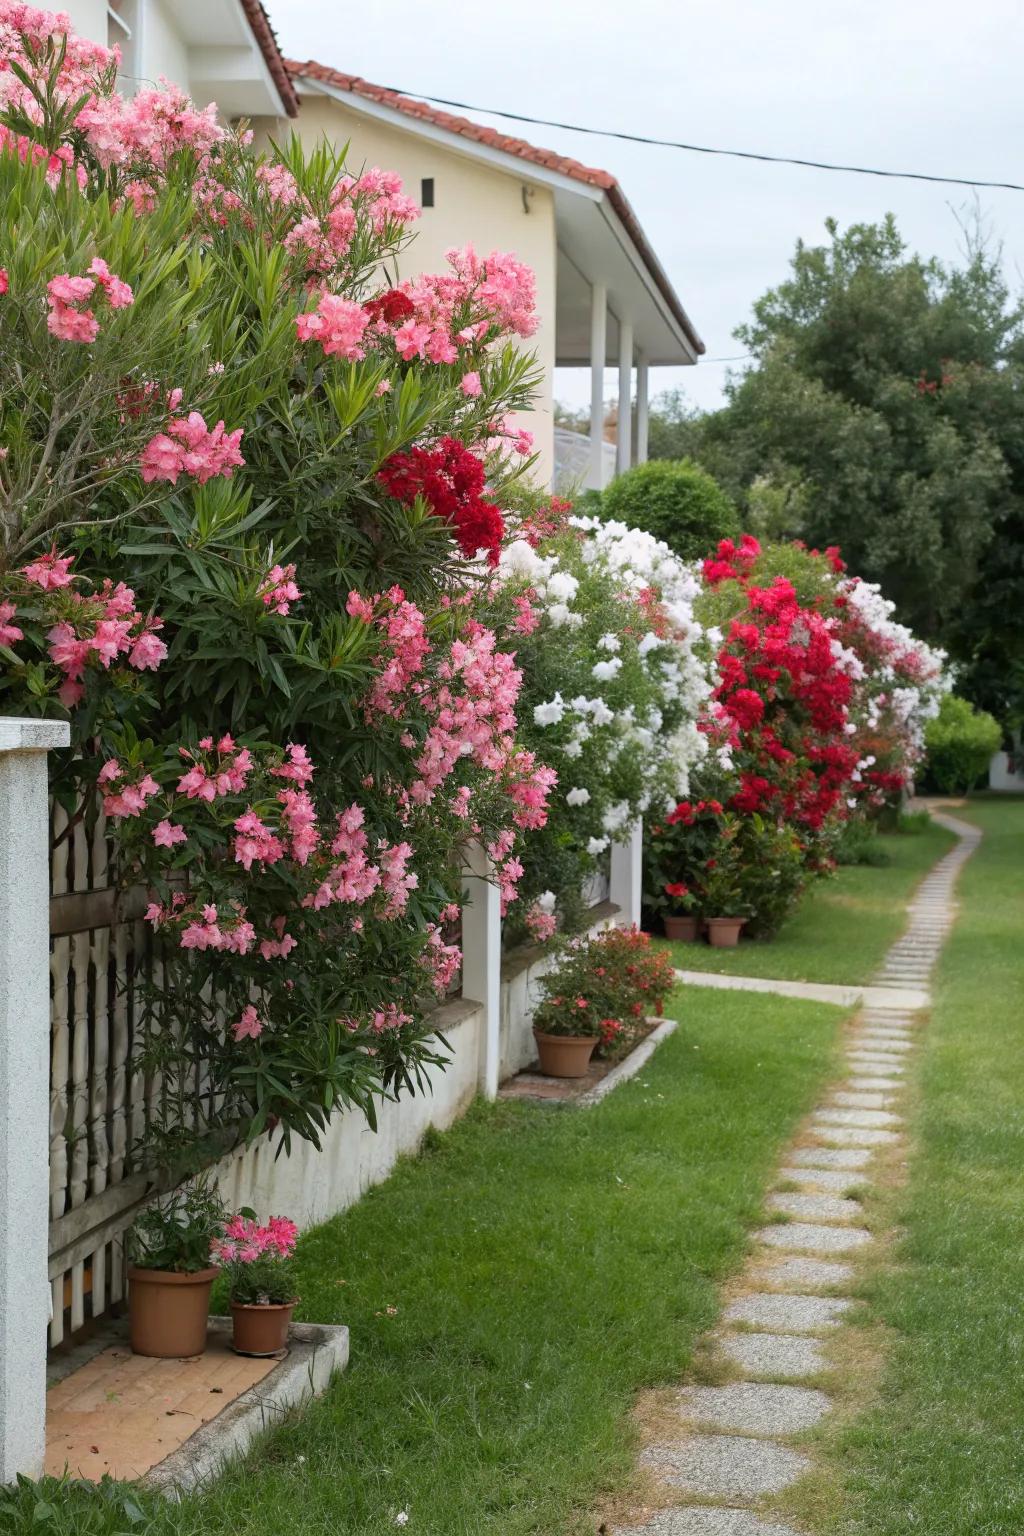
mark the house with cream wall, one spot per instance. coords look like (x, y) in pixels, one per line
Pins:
(602, 295)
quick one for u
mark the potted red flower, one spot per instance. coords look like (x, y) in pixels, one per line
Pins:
(258, 1263)
(680, 919)
(722, 890)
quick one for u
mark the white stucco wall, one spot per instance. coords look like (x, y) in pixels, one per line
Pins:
(162, 51)
(311, 1186)
(473, 204)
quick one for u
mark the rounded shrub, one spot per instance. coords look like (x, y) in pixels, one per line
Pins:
(960, 742)
(675, 500)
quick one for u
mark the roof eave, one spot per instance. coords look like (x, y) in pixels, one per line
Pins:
(611, 196)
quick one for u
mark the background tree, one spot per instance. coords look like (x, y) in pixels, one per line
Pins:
(883, 414)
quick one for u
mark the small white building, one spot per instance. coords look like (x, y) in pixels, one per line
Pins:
(603, 296)
(217, 50)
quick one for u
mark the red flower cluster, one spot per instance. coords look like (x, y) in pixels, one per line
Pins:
(783, 699)
(450, 480)
(733, 562)
(390, 307)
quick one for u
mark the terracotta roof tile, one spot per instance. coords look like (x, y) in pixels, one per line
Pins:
(548, 158)
(263, 32)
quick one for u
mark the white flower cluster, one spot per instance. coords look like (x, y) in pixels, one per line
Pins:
(910, 676)
(636, 722)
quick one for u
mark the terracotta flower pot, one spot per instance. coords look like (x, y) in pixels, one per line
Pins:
(684, 928)
(168, 1311)
(260, 1330)
(564, 1055)
(724, 932)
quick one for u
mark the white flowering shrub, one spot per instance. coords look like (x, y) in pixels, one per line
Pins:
(615, 675)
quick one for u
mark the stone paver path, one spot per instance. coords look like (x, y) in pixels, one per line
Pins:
(735, 1442)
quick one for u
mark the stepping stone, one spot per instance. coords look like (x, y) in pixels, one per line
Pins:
(808, 1237)
(804, 1274)
(726, 1466)
(825, 1157)
(824, 1178)
(862, 1117)
(789, 1314)
(887, 1045)
(870, 1064)
(869, 1084)
(861, 1100)
(874, 1066)
(755, 1408)
(693, 1521)
(774, 1354)
(816, 1207)
(852, 1136)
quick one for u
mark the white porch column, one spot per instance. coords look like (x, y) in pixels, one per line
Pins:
(624, 434)
(627, 877)
(24, 1088)
(598, 352)
(481, 960)
(642, 401)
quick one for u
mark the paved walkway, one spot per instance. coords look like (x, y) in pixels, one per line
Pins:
(735, 1442)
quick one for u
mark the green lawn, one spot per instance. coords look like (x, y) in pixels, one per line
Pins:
(510, 1290)
(844, 925)
(942, 1453)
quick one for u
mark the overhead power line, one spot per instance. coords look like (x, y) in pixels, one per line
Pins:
(707, 149)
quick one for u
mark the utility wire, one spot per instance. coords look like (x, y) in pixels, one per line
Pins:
(705, 149)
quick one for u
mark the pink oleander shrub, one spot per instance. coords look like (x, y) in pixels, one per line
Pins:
(250, 492)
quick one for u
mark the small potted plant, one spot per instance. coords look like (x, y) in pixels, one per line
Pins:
(169, 1271)
(722, 891)
(680, 917)
(258, 1264)
(675, 850)
(566, 1025)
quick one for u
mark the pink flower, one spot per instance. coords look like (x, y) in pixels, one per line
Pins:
(4, 281)
(298, 767)
(9, 632)
(471, 384)
(278, 589)
(119, 295)
(167, 833)
(148, 651)
(189, 446)
(337, 324)
(249, 1026)
(50, 571)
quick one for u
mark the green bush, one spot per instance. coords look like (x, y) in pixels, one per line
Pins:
(675, 500)
(960, 743)
(858, 843)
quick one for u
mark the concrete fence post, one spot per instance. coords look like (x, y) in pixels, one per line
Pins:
(24, 1088)
(627, 876)
(481, 959)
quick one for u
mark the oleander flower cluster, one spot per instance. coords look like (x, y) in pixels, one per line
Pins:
(816, 715)
(615, 675)
(63, 635)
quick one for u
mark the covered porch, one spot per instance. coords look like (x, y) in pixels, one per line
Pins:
(616, 309)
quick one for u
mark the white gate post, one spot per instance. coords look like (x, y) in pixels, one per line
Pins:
(627, 876)
(481, 959)
(24, 1088)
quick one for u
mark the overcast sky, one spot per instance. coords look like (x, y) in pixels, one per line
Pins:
(922, 85)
